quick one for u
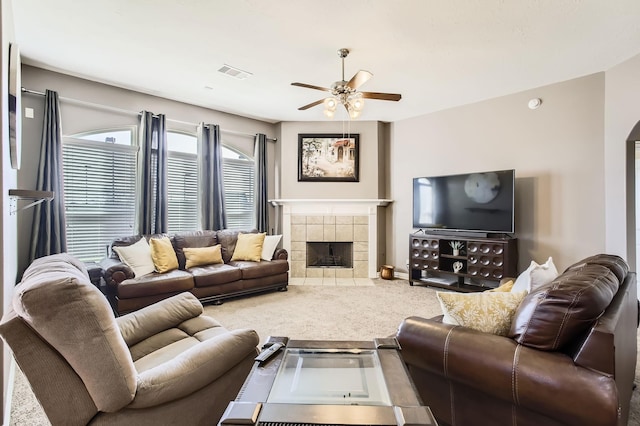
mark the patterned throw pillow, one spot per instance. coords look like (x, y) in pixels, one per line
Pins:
(489, 312)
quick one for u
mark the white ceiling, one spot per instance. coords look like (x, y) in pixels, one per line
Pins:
(436, 53)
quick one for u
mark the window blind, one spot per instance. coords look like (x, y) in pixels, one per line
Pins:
(99, 191)
(182, 191)
(239, 193)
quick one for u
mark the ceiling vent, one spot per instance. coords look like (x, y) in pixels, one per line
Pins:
(234, 72)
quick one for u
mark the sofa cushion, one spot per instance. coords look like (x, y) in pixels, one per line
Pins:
(489, 312)
(249, 247)
(163, 255)
(192, 239)
(210, 275)
(616, 264)
(137, 256)
(269, 246)
(552, 316)
(251, 270)
(200, 256)
(153, 284)
(536, 275)
(228, 239)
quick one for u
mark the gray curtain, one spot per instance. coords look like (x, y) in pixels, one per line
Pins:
(152, 174)
(262, 202)
(210, 180)
(48, 234)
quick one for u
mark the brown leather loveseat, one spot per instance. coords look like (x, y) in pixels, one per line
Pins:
(209, 283)
(569, 357)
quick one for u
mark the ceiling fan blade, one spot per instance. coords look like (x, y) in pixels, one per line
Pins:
(382, 96)
(359, 79)
(311, 105)
(310, 86)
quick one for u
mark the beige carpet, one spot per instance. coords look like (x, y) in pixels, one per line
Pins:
(306, 312)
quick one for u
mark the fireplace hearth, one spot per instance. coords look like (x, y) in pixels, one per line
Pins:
(330, 254)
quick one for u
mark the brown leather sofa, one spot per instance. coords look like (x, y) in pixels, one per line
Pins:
(210, 283)
(569, 358)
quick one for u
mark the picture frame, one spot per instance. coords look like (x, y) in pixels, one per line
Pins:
(328, 157)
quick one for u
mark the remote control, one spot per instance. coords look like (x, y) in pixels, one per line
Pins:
(269, 352)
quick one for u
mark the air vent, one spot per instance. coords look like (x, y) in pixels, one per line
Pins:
(234, 72)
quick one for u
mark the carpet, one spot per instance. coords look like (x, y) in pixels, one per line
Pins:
(306, 312)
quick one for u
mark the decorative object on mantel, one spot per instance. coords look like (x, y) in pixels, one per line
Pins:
(27, 194)
(15, 108)
(346, 93)
(328, 157)
(456, 246)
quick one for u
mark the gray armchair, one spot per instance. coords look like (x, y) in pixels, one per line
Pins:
(164, 364)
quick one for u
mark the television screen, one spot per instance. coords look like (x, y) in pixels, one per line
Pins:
(481, 202)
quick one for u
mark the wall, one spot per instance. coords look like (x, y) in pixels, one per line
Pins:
(78, 117)
(372, 175)
(556, 151)
(8, 236)
(621, 115)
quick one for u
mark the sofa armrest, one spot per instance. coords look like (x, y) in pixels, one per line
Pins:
(280, 254)
(115, 271)
(194, 369)
(163, 315)
(545, 382)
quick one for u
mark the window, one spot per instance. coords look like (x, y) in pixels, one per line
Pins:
(182, 182)
(239, 189)
(99, 190)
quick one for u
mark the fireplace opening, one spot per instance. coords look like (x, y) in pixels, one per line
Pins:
(329, 254)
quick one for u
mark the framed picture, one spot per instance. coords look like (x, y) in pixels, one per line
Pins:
(328, 157)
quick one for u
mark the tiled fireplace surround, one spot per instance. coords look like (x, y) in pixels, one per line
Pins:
(354, 221)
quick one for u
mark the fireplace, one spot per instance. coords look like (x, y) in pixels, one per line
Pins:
(355, 221)
(329, 254)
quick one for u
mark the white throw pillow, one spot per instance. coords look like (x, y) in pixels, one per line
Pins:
(535, 276)
(137, 257)
(269, 246)
(543, 274)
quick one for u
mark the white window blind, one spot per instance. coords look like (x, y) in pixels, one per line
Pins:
(182, 191)
(99, 191)
(239, 192)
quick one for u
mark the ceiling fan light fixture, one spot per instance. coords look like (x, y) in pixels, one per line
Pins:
(329, 113)
(330, 103)
(356, 101)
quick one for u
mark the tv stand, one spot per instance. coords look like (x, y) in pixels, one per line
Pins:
(480, 264)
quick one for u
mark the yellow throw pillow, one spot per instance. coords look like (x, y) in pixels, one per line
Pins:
(489, 312)
(507, 286)
(200, 256)
(249, 247)
(163, 255)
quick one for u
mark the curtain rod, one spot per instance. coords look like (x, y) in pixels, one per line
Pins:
(126, 111)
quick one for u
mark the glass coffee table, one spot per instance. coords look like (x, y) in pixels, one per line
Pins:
(329, 383)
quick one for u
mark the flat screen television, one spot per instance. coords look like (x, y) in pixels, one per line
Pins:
(479, 203)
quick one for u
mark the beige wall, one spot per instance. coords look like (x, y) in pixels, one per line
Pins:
(77, 117)
(556, 150)
(622, 112)
(372, 175)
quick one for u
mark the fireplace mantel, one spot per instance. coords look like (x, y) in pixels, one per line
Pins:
(359, 212)
(366, 201)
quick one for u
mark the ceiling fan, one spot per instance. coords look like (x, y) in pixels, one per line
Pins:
(346, 92)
